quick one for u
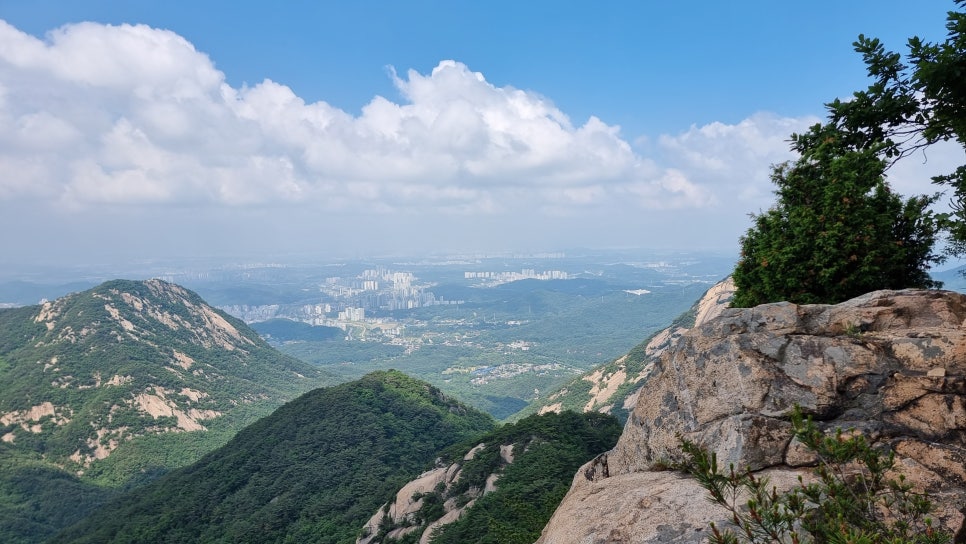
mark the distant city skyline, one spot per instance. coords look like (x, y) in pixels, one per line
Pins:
(241, 130)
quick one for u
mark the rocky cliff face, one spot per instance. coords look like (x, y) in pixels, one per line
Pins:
(404, 513)
(612, 388)
(891, 364)
(503, 489)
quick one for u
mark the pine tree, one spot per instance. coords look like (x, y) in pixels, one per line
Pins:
(836, 231)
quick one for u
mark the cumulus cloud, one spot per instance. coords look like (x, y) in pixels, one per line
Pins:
(736, 157)
(96, 117)
(97, 114)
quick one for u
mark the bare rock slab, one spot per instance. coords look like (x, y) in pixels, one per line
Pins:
(889, 364)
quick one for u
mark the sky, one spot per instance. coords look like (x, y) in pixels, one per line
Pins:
(141, 130)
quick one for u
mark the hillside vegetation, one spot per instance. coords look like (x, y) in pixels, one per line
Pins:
(501, 488)
(36, 498)
(313, 471)
(112, 386)
(612, 387)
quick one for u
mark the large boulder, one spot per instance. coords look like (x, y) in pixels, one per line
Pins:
(891, 364)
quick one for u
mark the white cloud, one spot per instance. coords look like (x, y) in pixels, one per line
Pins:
(737, 158)
(96, 118)
(130, 115)
(909, 175)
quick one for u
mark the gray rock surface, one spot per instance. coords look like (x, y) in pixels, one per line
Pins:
(891, 364)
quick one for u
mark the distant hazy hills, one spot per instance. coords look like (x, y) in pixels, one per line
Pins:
(313, 471)
(122, 382)
(953, 279)
(21, 293)
(611, 388)
(285, 330)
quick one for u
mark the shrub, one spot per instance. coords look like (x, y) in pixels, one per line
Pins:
(853, 500)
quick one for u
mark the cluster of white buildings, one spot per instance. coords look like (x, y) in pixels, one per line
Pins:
(374, 289)
(347, 300)
(352, 314)
(496, 278)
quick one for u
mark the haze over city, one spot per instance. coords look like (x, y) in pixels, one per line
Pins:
(244, 129)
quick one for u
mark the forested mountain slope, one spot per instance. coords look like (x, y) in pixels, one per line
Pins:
(501, 488)
(313, 471)
(119, 383)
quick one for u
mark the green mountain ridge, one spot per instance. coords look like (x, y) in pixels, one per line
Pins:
(112, 386)
(107, 390)
(501, 488)
(280, 330)
(312, 471)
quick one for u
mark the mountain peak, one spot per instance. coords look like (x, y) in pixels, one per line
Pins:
(99, 371)
(133, 308)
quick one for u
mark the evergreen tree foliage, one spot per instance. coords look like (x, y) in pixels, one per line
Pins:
(837, 230)
(37, 499)
(913, 104)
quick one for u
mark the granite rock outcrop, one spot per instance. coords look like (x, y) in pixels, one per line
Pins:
(891, 364)
(612, 388)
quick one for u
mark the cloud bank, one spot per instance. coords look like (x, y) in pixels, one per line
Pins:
(96, 117)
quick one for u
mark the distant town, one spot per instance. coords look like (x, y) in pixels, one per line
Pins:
(346, 300)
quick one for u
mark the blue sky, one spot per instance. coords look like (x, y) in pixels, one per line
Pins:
(650, 67)
(252, 129)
